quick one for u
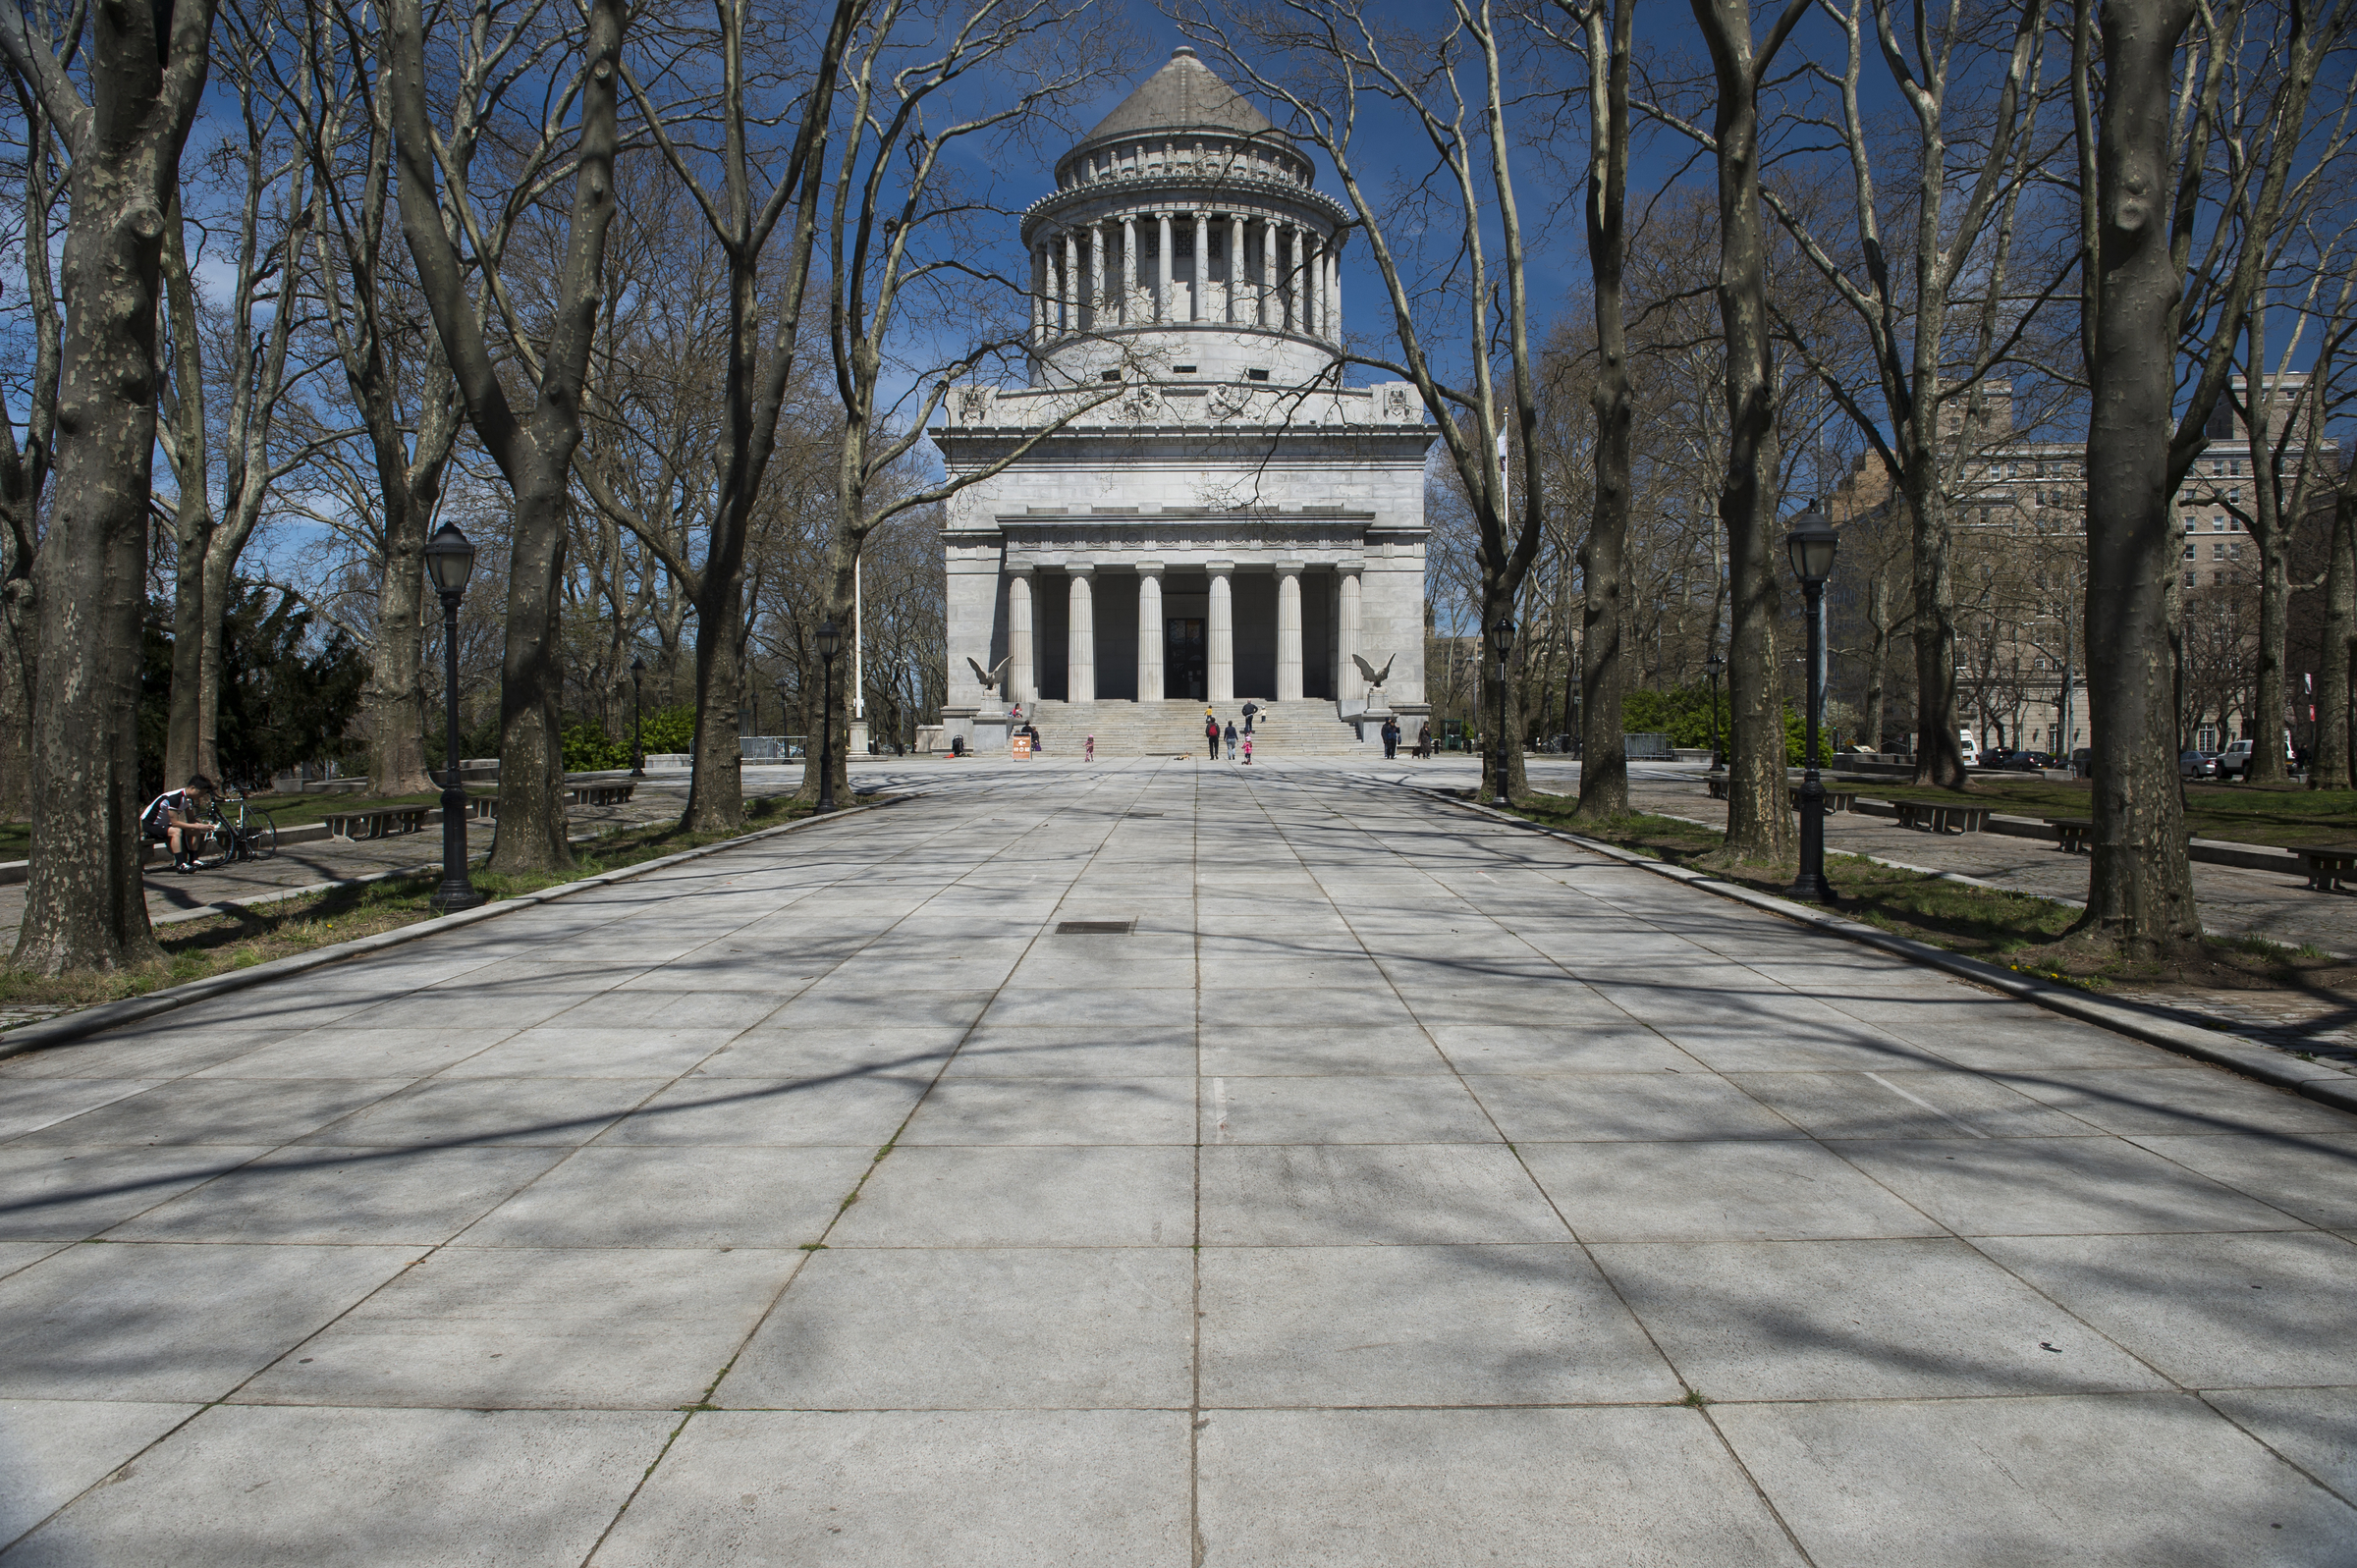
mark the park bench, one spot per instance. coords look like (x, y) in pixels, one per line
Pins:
(2073, 836)
(602, 794)
(1834, 799)
(1937, 817)
(1717, 784)
(2329, 865)
(382, 823)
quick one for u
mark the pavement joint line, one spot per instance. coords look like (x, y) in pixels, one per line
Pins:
(134, 1010)
(2215, 1046)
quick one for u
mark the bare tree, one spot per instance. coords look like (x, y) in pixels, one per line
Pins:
(86, 907)
(24, 467)
(534, 451)
(240, 350)
(2143, 295)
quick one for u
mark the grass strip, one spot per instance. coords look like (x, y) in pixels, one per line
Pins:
(239, 939)
(2018, 930)
(2284, 816)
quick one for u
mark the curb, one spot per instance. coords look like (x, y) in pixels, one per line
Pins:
(2325, 1085)
(132, 1009)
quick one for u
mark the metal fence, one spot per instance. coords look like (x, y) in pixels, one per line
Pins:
(1649, 748)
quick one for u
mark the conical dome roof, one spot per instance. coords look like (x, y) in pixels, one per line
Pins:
(1183, 95)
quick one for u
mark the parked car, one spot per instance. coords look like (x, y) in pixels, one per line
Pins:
(2235, 760)
(2026, 762)
(2193, 764)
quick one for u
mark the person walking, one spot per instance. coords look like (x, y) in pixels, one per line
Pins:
(1424, 740)
(1211, 732)
(1252, 709)
(1390, 739)
(1090, 752)
(1247, 748)
(1231, 740)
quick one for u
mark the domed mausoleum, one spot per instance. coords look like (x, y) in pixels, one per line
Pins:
(1225, 522)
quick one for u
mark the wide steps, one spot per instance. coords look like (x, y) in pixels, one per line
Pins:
(1306, 728)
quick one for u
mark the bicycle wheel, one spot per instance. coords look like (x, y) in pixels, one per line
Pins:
(265, 831)
(220, 849)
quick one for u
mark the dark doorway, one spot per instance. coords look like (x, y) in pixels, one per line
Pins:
(1184, 660)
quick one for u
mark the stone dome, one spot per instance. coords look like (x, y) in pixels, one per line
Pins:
(1184, 232)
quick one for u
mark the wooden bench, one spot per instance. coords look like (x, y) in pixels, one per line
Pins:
(601, 794)
(2073, 836)
(2329, 865)
(1937, 817)
(382, 823)
(1834, 799)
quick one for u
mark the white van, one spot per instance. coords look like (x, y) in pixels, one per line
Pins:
(1970, 748)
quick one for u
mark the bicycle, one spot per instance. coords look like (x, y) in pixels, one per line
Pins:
(252, 835)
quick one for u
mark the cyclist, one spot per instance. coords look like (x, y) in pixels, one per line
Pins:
(182, 818)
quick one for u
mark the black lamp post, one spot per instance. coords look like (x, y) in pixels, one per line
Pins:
(1811, 545)
(637, 720)
(830, 643)
(449, 562)
(1715, 666)
(1503, 635)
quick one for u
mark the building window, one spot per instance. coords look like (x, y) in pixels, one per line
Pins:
(1256, 375)
(2192, 551)
(2217, 550)
(2189, 579)
(2217, 580)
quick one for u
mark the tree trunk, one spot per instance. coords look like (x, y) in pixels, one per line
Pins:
(531, 832)
(1759, 827)
(1604, 747)
(1878, 658)
(189, 445)
(1938, 745)
(2332, 769)
(2140, 887)
(86, 907)
(395, 696)
(716, 791)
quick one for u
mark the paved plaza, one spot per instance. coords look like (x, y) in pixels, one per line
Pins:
(1163, 1164)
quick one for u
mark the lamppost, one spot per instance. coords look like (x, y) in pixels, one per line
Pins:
(1810, 546)
(830, 643)
(1715, 666)
(637, 720)
(1503, 635)
(450, 562)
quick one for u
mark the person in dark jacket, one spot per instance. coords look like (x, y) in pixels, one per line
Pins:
(1230, 740)
(1211, 734)
(1390, 738)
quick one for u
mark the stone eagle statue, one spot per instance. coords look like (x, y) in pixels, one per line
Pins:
(1374, 676)
(990, 677)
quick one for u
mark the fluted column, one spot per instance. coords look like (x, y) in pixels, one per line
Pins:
(1271, 313)
(1096, 276)
(1236, 314)
(1161, 269)
(1296, 278)
(1333, 291)
(1195, 304)
(1220, 656)
(1020, 681)
(1039, 295)
(1313, 280)
(1289, 632)
(1350, 684)
(1072, 281)
(1150, 631)
(1128, 269)
(1081, 642)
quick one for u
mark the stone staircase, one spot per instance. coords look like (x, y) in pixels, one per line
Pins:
(1306, 729)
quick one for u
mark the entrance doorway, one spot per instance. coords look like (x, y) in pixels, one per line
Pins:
(1183, 659)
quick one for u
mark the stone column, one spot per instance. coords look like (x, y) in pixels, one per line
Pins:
(1271, 313)
(1350, 684)
(1333, 291)
(1195, 304)
(1313, 281)
(1236, 315)
(1080, 645)
(1020, 682)
(1220, 655)
(1162, 270)
(1150, 632)
(1128, 268)
(1297, 280)
(1039, 293)
(1096, 276)
(1289, 632)
(1072, 281)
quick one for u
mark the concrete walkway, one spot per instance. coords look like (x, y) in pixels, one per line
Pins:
(1391, 1188)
